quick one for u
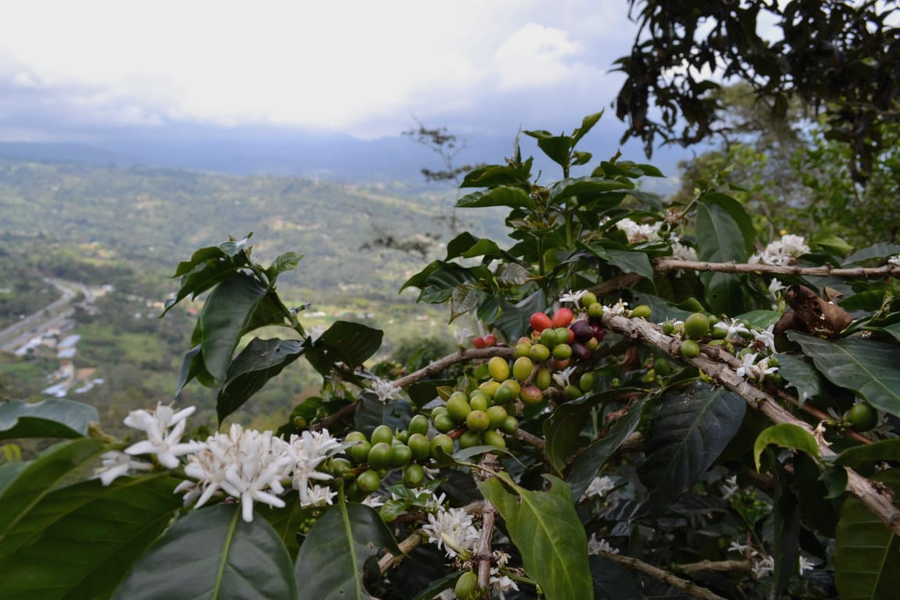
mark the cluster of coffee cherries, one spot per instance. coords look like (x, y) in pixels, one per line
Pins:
(371, 458)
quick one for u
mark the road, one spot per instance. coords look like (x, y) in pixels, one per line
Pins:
(52, 315)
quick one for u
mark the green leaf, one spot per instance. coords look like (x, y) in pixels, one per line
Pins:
(439, 285)
(802, 376)
(285, 262)
(614, 581)
(465, 297)
(880, 250)
(331, 559)
(586, 466)
(545, 528)
(561, 431)
(260, 361)
(467, 245)
(627, 260)
(213, 553)
(198, 258)
(80, 540)
(49, 418)
(786, 435)
(687, 433)
(346, 342)
(207, 268)
(513, 319)
(497, 175)
(589, 189)
(786, 526)
(227, 311)
(868, 367)
(866, 551)
(233, 247)
(556, 147)
(371, 412)
(501, 196)
(586, 125)
(721, 238)
(883, 450)
(831, 242)
(24, 494)
(760, 319)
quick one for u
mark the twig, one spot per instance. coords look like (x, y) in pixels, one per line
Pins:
(688, 587)
(483, 549)
(878, 499)
(391, 560)
(614, 285)
(822, 416)
(530, 439)
(671, 264)
(717, 565)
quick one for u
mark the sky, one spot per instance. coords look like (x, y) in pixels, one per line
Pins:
(366, 68)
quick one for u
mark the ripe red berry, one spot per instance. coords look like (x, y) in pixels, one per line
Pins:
(562, 317)
(479, 342)
(490, 340)
(539, 321)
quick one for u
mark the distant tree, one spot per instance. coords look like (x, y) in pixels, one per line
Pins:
(834, 55)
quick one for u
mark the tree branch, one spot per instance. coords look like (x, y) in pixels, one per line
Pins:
(876, 498)
(688, 587)
(671, 264)
(390, 560)
(718, 565)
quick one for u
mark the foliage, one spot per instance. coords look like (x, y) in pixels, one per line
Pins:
(835, 55)
(579, 448)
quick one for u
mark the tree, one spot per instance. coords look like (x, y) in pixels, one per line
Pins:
(839, 57)
(637, 433)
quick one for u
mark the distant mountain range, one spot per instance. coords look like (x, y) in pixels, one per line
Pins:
(262, 150)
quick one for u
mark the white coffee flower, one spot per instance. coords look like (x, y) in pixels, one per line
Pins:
(894, 260)
(161, 440)
(729, 488)
(765, 338)
(781, 252)
(462, 335)
(762, 567)
(682, 252)
(598, 487)
(638, 233)
(562, 378)
(805, 565)
(453, 531)
(748, 368)
(597, 545)
(573, 297)
(306, 453)
(500, 584)
(734, 327)
(385, 390)
(618, 309)
(738, 547)
(115, 464)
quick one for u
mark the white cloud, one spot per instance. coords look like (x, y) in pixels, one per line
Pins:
(357, 66)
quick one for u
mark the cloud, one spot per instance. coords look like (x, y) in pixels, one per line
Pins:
(357, 66)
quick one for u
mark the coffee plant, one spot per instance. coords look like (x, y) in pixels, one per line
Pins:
(664, 404)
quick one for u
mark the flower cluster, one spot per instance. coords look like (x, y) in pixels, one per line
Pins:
(385, 390)
(752, 369)
(619, 309)
(596, 545)
(781, 252)
(453, 531)
(500, 584)
(639, 232)
(164, 428)
(599, 487)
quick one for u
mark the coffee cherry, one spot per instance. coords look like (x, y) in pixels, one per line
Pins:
(861, 416)
(539, 353)
(696, 326)
(467, 586)
(458, 408)
(498, 368)
(642, 311)
(572, 392)
(469, 439)
(690, 349)
(490, 340)
(562, 351)
(540, 321)
(480, 401)
(586, 383)
(478, 420)
(441, 442)
(496, 415)
(489, 388)
(562, 317)
(444, 423)
(478, 342)
(368, 481)
(418, 424)
(531, 395)
(419, 446)
(379, 455)
(492, 438)
(400, 456)
(543, 379)
(382, 433)
(509, 425)
(522, 368)
(413, 475)
(359, 452)
(523, 350)
(595, 310)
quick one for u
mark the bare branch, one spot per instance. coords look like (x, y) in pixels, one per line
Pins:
(390, 560)
(671, 264)
(719, 565)
(875, 497)
(688, 587)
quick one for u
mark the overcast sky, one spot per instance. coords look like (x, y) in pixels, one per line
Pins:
(362, 67)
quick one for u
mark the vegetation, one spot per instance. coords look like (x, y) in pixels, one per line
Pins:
(838, 57)
(650, 425)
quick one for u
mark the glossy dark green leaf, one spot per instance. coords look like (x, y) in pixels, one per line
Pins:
(545, 528)
(496, 175)
(818, 507)
(434, 590)
(802, 376)
(260, 361)
(464, 298)
(31, 484)
(882, 450)
(627, 260)
(207, 268)
(785, 435)
(759, 319)
(880, 250)
(227, 311)
(80, 541)
(556, 147)
(613, 581)
(199, 257)
(330, 563)
(346, 342)
(589, 190)
(586, 466)
(372, 412)
(48, 418)
(587, 124)
(233, 247)
(687, 433)
(191, 366)
(9, 472)
(467, 245)
(866, 551)
(720, 238)
(501, 196)
(439, 285)
(868, 367)
(213, 553)
(513, 319)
